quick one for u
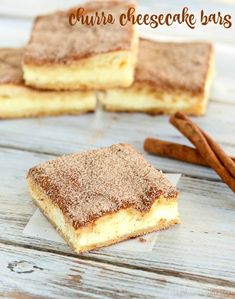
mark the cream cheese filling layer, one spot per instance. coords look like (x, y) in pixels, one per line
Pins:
(144, 99)
(127, 222)
(114, 69)
(19, 100)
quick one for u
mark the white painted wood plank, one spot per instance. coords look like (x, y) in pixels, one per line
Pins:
(14, 32)
(61, 135)
(26, 273)
(207, 230)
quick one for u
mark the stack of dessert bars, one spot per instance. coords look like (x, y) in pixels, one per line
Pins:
(65, 69)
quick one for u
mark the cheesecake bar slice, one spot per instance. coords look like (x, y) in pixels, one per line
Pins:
(101, 197)
(64, 56)
(18, 100)
(169, 77)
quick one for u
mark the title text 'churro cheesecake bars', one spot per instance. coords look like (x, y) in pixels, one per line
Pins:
(61, 56)
(169, 77)
(100, 197)
(18, 100)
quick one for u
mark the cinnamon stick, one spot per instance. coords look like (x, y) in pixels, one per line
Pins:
(207, 149)
(174, 151)
(216, 148)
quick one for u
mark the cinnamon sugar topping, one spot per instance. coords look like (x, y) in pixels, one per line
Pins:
(54, 40)
(173, 66)
(10, 66)
(91, 184)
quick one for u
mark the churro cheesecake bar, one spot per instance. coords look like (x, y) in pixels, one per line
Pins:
(18, 100)
(169, 77)
(101, 197)
(80, 56)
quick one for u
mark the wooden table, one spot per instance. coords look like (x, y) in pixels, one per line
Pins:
(194, 259)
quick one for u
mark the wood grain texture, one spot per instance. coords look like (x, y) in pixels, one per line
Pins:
(62, 135)
(52, 276)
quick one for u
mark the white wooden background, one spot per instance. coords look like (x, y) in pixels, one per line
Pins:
(193, 260)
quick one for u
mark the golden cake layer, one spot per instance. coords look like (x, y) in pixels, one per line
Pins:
(18, 100)
(169, 77)
(100, 197)
(61, 56)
